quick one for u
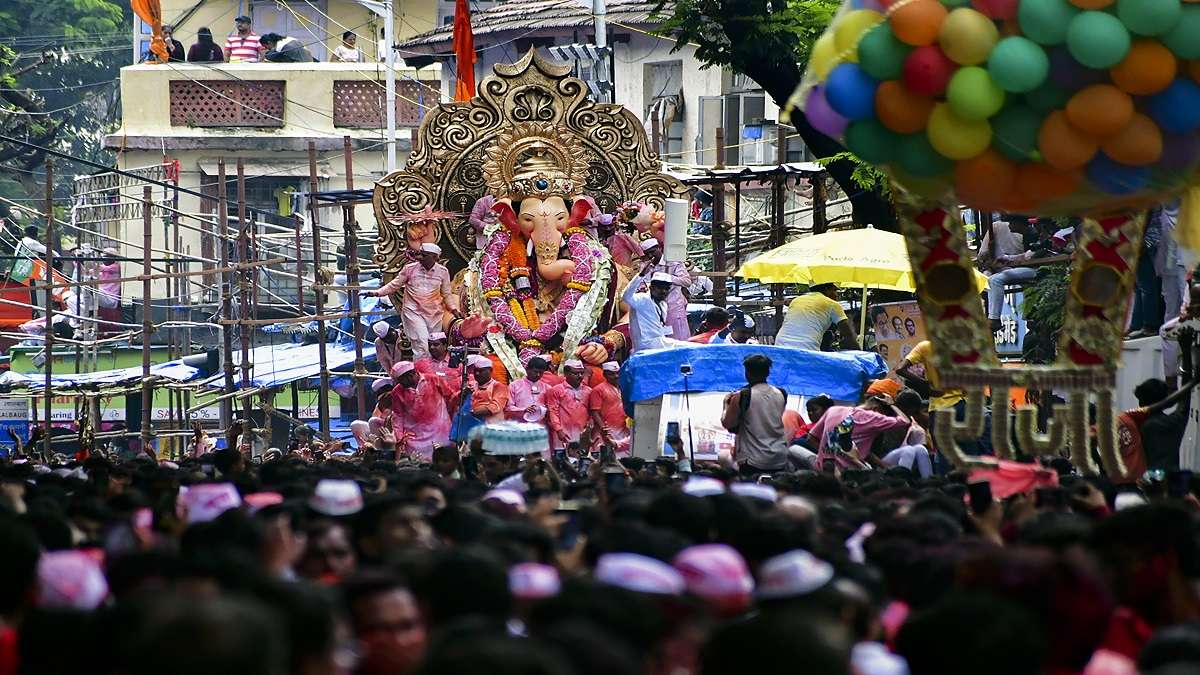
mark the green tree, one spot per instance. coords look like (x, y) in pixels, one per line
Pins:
(769, 41)
(59, 67)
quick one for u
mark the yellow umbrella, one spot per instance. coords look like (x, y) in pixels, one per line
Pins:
(866, 258)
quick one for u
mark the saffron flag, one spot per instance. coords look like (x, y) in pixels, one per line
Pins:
(150, 11)
(464, 52)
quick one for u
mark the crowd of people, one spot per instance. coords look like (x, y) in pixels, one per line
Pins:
(244, 45)
(505, 560)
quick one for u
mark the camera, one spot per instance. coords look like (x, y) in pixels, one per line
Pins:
(457, 355)
(685, 369)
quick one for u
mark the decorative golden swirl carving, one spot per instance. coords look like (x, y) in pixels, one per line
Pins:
(612, 160)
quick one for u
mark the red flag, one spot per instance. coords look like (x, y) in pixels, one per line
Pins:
(464, 52)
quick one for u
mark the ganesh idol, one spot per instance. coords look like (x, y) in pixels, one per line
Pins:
(542, 276)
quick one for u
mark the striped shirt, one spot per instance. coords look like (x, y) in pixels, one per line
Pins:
(243, 48)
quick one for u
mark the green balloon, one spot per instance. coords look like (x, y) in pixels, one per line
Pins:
(1046, 21)
(1149, 17)
(956, 3)
(1097, 40)
(881, 55)
(871, 142)
(1018, 64)
(1015, 131)
(973, 95)
(918, 157)
(1047, 97)
(1184, 38)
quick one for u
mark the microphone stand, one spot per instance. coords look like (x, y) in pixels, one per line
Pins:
(687, 402)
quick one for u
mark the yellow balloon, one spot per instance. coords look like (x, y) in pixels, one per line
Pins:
(848, 29)
(823, 57)
(954, 137)
(967, 36)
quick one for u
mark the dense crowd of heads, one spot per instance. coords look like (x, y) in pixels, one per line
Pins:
(300, 567)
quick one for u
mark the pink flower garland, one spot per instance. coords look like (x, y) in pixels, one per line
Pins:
(489, 271)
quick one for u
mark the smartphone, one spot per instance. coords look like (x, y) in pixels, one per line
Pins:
(980, 495)
(559, 456)
(585, 463)
(607, 455)
(1178, 483)
(615, 483)
(568, 534)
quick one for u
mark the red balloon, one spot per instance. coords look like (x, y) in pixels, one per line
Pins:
(997, 9)
(927, 70)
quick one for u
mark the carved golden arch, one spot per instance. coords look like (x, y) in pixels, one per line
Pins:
(445, 169)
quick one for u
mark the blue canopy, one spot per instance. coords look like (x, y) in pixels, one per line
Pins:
(275, 365)
(842, 375)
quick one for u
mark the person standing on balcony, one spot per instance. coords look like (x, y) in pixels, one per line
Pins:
(174, 47)
(205, 50)
(283, 49)
(348, 51)
(243, 45)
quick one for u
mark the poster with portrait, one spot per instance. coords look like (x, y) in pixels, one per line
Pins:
(898, 328)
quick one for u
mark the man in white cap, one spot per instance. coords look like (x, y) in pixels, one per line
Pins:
(526, 396)
(387, 345)
(567, 406)
(680, 280)
(488, 396)
(426, 297)
(420, 416)
(607, 411)
(648, 311)
(438, 360)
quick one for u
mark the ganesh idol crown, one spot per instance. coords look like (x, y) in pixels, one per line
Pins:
(519, 182)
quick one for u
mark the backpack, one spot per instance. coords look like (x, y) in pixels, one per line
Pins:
(744, 404)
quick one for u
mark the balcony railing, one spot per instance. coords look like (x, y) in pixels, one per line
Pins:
(291, 99)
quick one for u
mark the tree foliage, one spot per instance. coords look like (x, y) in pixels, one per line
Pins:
(769, 41)
(58, 84)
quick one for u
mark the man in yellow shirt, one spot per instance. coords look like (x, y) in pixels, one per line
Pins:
(941, 399)
(810, 315)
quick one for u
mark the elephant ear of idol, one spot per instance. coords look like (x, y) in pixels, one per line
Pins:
(1041, 107)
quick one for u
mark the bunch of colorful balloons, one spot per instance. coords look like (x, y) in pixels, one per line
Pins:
(1037, 106)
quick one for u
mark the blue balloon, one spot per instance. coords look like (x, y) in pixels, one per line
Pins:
(851, 92)
(1116, 178)
(1177, 108)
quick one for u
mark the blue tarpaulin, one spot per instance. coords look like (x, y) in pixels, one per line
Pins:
(842, 375)
(275, 365)
(171, 370)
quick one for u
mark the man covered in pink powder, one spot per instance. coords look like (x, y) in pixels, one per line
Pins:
(567, 406)
(420, 415)
(526, 396)
(607, 412)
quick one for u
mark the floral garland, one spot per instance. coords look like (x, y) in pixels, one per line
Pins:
(502, 297)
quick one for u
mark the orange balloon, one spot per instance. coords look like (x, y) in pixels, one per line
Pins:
(1147, 69)
(901, 110)
(985, 179)
(1138, 144)
(1100, 109)
(917, 22)
(1092, 4)
(1041, 182)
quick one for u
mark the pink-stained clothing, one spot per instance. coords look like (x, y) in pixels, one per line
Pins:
(107, 274)
(605, 400)
(421, 416)
(676, 318)
(867, 426)
(624, 248)
(488, 401)
(523, 393)
(424, 302)
(387, 353)
(440, 368)
(567, 412)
